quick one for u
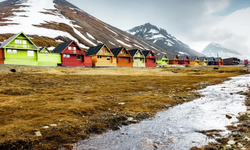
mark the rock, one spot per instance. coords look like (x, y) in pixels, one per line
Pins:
(13, 70)
(248, 112)
(38, 133)
(247, 138)
(229, 117)
(243, 148)
(121, 103)
(167, 105)
(239, 145)
(228, 146)
(130, 119)
(53, 125)
(231, 142)
(46, 127)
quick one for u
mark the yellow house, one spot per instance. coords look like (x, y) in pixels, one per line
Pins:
(194, 60)
(101, 56)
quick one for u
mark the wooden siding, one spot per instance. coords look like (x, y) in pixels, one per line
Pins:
(150, 60)
(21, 57)
(194, 62)
(162, 62)
(1, 56)
(139, 62)
(103, 61)
(71, 60)
(204, 63)
(49, 59)
(88, 61)
(124, 61)
(174, 62)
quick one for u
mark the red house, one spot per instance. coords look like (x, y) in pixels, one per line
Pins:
(72, 55)
(218, 61)
(150, 58)
(184, 60)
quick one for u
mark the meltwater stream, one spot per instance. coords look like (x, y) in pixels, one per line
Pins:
(177, 128)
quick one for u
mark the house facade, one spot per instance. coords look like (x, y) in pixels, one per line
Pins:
(194, 60)
(46, 58)
(19, 50)
(218, 61)
(231, 61)
(150, 58)
(71, 54)
(173, 59)
(162, 59)
(184, 60)
(101, 56)
(211, 60)
(122, 57)
(138, 58)
(203, 61)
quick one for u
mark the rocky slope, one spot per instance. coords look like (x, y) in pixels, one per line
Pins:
(163, 39)
(50, 22)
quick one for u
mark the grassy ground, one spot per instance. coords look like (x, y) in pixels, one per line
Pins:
(49, 108)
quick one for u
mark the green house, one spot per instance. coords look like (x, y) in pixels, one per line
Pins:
(20, 50)
(46, 58)
(138, 58)
(162, 59)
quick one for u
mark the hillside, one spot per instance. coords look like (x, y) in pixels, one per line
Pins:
(163, 39)
(214, 49)
(50, 22)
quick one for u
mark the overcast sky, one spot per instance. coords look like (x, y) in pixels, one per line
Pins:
(194, 22)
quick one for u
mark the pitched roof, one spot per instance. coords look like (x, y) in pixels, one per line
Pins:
(183, 57)
(210, 59)
(94, 50)
(132, 52)
(159, 56)
(218, 59)
(8, 40)
(59, 48)
(192, 58)
(116, 51)
(202, 58)
(171, 56)
(145, 52)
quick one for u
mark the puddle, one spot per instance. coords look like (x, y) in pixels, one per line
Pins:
(177, 128)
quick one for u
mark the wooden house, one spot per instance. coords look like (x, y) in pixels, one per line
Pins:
(122, 57)
(71, 54)
(211, 60)
(46, 58)
(19, 50)
(218, 61)
(138, 58)
(101, 56)
(162, 59)
(173, 59)
(203, 61)
(194, 60)
(150, 58)
(231, 61)
(1, 55)
(184, 60)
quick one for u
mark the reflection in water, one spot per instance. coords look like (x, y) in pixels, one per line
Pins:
(177, 128)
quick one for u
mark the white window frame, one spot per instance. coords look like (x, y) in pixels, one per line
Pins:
(17, 41)
(74, 48)
(68, 55)
(24, 42)
(64, 55)
(30, 53)
(70, 48)
(14, 51)
(9, 51)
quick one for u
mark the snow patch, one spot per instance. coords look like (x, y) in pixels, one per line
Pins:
(123, 43)
(89, 35)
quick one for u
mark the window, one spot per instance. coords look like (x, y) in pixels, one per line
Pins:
(16, 41)
(127, 59)
(30, 53)
(8, 50)
(14, 51)
(24, 42)
(120, 58)
(74, 48)
(70, 48)
(141, 59)
(99, 56)
(68, 56)
(87, 57)
(78, 57)
(108, 58)
(150, 54)
(64, 55)
(102, 50)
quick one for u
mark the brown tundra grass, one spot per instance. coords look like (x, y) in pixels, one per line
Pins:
(82, 101)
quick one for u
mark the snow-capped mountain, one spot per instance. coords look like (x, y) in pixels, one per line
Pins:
(49, 22)
(163, 39)
(215, 49)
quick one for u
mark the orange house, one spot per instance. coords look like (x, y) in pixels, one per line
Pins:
(101, 56)
(122, 57)
(173, 59)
